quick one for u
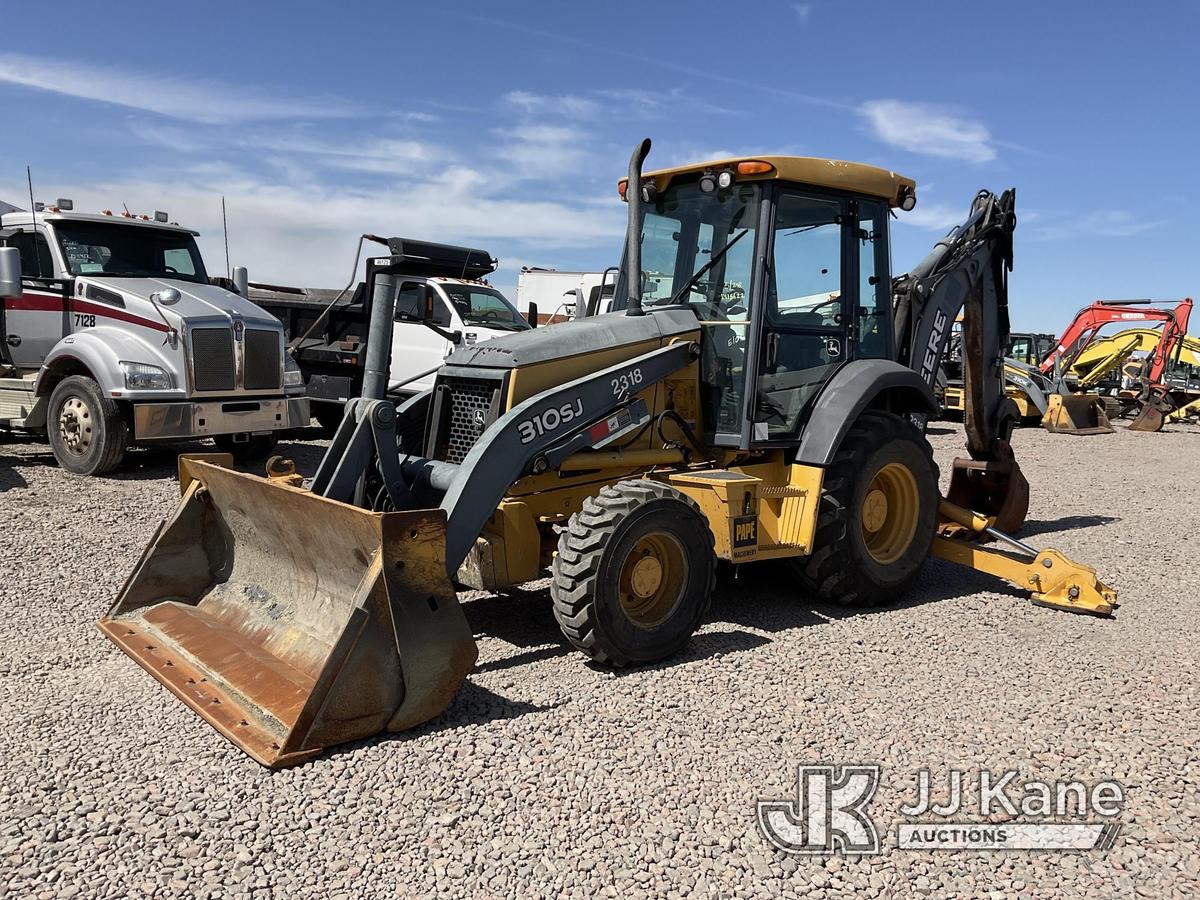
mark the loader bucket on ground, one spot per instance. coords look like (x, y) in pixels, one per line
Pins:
(291, 622)
(996, 489)
(1076, 414)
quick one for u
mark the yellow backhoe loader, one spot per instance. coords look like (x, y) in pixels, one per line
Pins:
(761, 397)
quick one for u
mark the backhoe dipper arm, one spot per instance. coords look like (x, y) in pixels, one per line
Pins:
(967, 271)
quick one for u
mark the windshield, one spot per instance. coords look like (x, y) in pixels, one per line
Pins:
(484, 306)
(125, 251)
(697, 247)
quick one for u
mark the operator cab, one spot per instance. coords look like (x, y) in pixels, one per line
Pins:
(819, 296)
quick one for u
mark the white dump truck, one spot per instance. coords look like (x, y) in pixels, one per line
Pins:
(112, 334)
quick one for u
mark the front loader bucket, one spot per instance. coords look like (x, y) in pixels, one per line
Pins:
(291, 622)
(1076, 414)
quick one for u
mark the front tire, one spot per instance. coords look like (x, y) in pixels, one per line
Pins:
(634, 573)
(877, 516)
(255, 447)
(87, 432)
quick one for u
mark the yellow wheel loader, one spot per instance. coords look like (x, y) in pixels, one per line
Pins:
(759, 394)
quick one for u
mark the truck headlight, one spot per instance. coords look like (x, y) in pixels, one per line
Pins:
(292, 376)
(143, 377)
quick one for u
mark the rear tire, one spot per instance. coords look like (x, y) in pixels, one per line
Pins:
(256, 447)
(87, 432)
(877, 516)
(634, 573)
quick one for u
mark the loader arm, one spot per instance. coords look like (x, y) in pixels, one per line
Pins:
(518, 443)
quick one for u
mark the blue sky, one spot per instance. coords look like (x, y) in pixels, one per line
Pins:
(506, 126)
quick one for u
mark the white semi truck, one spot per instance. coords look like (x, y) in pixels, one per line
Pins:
(112, 334)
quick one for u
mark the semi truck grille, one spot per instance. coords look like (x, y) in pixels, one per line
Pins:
(212, 359)
(466, 412)
(262, 360)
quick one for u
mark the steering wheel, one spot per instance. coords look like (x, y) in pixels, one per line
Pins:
(171, 269)
(488, 315)
(835, 303)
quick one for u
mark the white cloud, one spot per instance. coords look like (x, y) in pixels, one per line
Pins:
(305, 234)
(1104, 223)
(803, 11)
(198, 101)
(541, 151)
(930, 129)
(569, 105)
(933, 216)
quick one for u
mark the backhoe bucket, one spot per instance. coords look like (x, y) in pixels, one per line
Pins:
(1149, 419)
(291, 622)
(1076, 414)
(998, 490)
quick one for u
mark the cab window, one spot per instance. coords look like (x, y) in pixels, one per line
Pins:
(36, 261)
(409, 300)
(874, 314)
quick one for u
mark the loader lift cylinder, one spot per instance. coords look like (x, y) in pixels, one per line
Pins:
(379, 347)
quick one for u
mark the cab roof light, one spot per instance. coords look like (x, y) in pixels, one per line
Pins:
(754, 167)
(622, 187)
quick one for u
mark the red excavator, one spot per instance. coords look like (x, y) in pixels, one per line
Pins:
(1083, 413)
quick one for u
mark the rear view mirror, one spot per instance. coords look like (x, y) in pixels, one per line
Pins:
(425, 309)
(531, 315)
(10, 272)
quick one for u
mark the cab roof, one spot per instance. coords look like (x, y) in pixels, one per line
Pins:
(837, 174)
(15, 219)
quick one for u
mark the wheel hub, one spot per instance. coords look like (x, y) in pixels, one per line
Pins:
(890, 512)
(75, 425)
(652, 578)
(646, 576)
(875, 510)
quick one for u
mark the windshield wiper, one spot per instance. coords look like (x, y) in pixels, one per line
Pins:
(716, 257)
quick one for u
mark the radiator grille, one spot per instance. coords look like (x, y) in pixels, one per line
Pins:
(468, 415)
(262, 360)
(212, 359)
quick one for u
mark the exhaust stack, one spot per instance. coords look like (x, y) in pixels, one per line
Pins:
(633, 234)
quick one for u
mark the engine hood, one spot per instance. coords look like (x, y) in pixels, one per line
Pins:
(565, 339)
(196, 301)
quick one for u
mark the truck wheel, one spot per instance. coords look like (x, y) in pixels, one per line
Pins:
(634, 573)
(329, 416)
(256, 447)
(877, 515)
(87, 432)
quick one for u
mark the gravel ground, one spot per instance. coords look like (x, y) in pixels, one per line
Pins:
(549, 777)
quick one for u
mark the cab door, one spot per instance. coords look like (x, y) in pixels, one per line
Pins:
(416, 348)
(39, 318)
(808, 302)
(827, 301)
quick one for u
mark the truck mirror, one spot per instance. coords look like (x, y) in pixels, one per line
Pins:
(428, 304)
(531, 315)
(10, 272)
(241, 281)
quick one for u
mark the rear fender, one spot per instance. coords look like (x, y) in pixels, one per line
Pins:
(859, 385)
